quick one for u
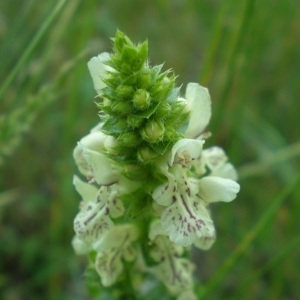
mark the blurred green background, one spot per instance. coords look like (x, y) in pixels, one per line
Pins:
(246, 52)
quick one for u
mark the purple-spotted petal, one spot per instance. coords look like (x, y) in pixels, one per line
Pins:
(164, 194)
(175, 273)
(109, 197)
(204, 243)
(114, 246)
(186, 220)
(92, 222)
(94, 218)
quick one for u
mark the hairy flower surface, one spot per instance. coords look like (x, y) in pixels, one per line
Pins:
(149, 181)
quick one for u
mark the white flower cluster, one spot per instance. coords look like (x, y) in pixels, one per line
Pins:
(194, 178)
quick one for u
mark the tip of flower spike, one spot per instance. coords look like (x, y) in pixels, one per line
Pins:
(140, 107)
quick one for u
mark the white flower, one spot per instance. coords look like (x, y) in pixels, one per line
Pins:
(196, 178)
(91, 161)
(198, 103)
(101, 168)
(214, 162)
(186, 219)
(97, 208)
(93, 141)
(174, 271)
(113, 247)
(98, 68)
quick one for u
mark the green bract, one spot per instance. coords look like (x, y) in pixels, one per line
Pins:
(139, 102)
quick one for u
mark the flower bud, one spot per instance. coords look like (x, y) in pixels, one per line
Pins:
(153, 132)
(129, 139)
(141, 99)
(121, 107)
(135, 172)
(163, 111)
(145, 78)
(125, 91)
(146, 154)
(134, 121)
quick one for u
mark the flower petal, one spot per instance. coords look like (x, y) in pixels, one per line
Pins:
(93, 141)
(109, 196)
(214, 189)
(199, 104)
(163, 194)
(216, 161)
(118, 236)
(92, 222)
(101, 166)
(175, 273)
(186, 220)
(185, 151)
(112, 248)
(214, 157)
(98, 68)
(226, 171)
(87, 191)
(80, 247)
(204, 243)
(109, 267)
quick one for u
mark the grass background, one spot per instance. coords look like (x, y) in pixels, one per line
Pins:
(246, 52)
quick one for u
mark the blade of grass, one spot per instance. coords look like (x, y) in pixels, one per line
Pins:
(270, 265)
(20, 121)
(236, 44)
(248, 239)
(213, 47)
(13, 73)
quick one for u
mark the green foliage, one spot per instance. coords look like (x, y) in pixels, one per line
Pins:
(146, 94)
(246, 52)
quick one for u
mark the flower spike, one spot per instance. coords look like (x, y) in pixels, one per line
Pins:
(149, 180)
